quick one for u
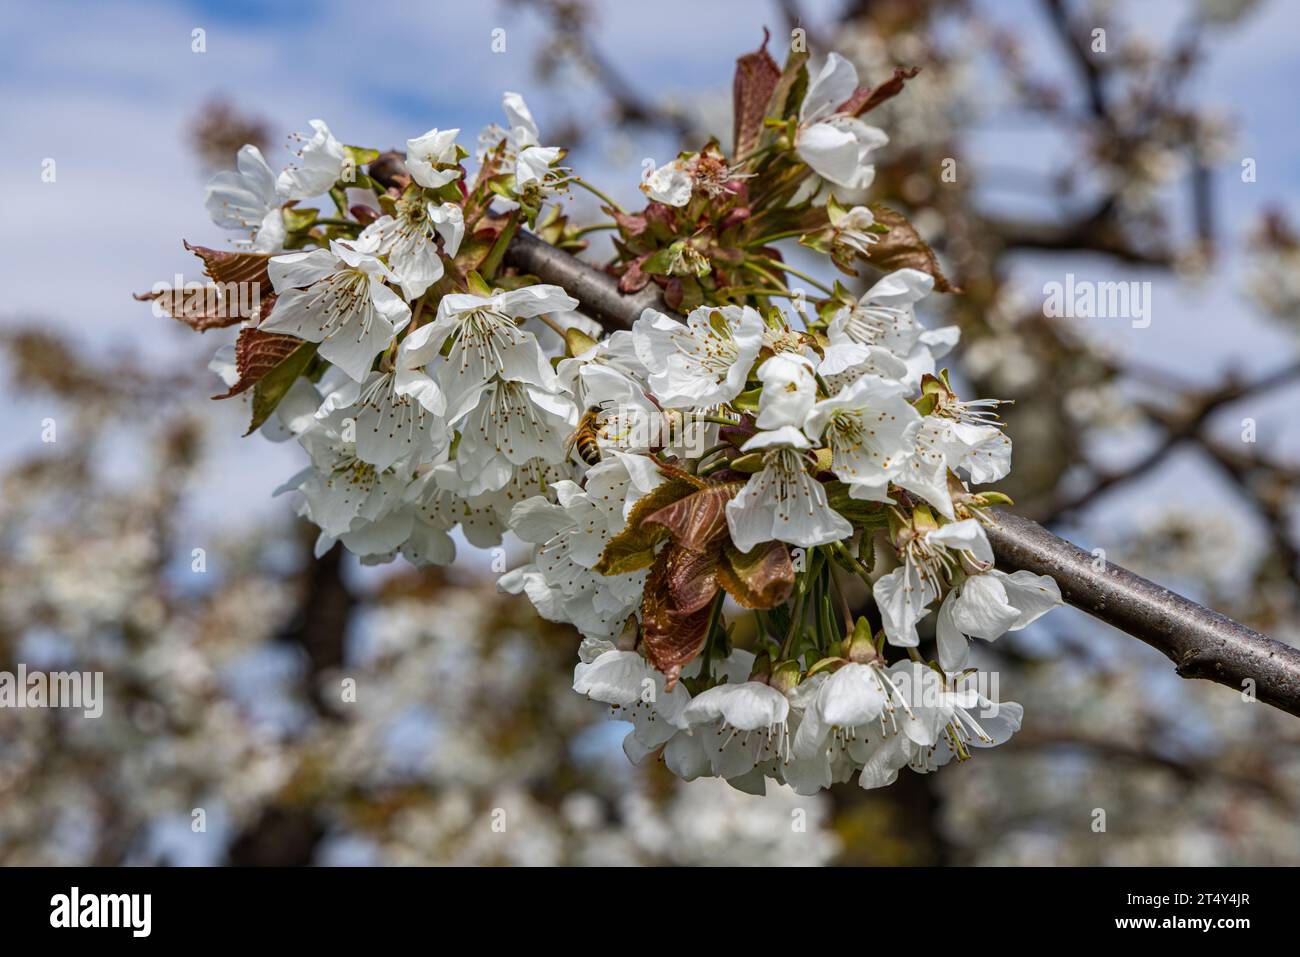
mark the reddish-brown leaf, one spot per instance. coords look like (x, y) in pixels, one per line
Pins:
(632, 224)
(634, 279)
(199, 309)
(674, 293)
(760, 578)
(692, 578)
(634, 547)
(698, 520)
(223, 266)
(671, 639)
(674, 472)
(865, 100)
(756, 78)
(902, 247)
(256, 354)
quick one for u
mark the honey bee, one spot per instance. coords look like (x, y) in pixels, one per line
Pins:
(585, 435)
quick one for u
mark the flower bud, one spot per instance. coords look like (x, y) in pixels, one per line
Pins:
(748, 463)
(785, 676)
(577, 342)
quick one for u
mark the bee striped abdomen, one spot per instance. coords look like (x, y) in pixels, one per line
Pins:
(585, 437)
(588, 448)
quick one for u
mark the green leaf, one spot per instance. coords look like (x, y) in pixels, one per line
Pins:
(477, 285)
(856, 510)
(577, 342)
(790, 89)
(273, 386)
(747, 401)
(298, 220)
(360, 156)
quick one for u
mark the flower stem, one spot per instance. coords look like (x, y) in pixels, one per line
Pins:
(848, 556)
(714, 419)
(493, 261)
(756, 268)
(788, 234)
(786, 267)
(702, 469)
(592, 189)
(552, 324)
(715, 615)
(578, 234)
(757, 291)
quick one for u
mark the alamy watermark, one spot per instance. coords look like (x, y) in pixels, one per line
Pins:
(133, 912)
(1086, 299)
(55, 689)
(206, 300)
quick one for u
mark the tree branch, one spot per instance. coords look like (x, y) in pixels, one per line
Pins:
(1201, 643)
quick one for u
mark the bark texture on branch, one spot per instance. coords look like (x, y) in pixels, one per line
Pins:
(1202, 643)
(596, 290)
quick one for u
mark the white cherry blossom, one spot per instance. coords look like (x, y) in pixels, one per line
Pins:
(904, 594)
(868, 427)
(487, 342)
(835, 144)
(670, 184)
(789, 391)
(409, 241)
(740, 726)
(397, 410)
(703, 362)
(783, 502)
(852, 229)
(986, 606)
(336, 297)
(248, 198)
(322, 159)
(432, 159)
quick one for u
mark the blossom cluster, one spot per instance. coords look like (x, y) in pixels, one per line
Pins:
(755, 454)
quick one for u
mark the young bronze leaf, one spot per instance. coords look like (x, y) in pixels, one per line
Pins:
(673, 472)
(902, 248)
(671, 639)
(633, 548)
(698, 520)
(865, 100)
(234, 267)
(256, 354)
(760, 578)
(756, 78)
(198, 309)
(692, 578)
(272, 386)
